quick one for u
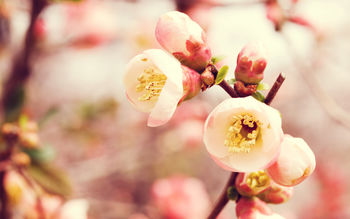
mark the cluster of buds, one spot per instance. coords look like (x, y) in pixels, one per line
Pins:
(18, 137)
(241, 134)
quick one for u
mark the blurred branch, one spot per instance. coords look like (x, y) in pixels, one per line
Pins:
(326, 101)
(184, 5)
(13, 93)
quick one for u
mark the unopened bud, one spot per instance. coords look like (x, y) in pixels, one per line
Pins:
(294, 164)
(10, 132)
(21, 159)
(251, 63)
(29, 140)
(191, 82)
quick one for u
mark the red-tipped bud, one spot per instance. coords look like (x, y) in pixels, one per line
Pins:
(251, 63)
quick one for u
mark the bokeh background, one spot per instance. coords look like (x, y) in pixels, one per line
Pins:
(112, 159)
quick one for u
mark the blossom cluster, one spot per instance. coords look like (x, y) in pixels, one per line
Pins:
(241, 134)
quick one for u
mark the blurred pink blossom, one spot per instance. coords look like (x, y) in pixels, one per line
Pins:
(179, 197)
(83, 24)
(330, 201)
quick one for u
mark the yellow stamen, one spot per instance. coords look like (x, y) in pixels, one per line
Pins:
(243, 133)
(258, 179)
(151, 82)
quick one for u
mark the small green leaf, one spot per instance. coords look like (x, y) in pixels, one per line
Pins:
(231, 81)
(263, 86)
(221, 74)
(216, 59)
(259, 96)
(52, 179)
(41, 155)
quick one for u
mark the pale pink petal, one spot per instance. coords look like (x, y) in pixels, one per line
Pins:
(172, 90)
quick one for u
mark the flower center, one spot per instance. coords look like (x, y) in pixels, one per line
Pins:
(258, 179)
(151, 82)
(243, 133)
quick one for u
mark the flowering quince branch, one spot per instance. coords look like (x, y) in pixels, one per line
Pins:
(223, 199)
(243, 134)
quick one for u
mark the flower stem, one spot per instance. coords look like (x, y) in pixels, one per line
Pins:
(230, 90)
(275, 87)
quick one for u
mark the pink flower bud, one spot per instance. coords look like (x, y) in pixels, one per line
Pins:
(250, 184)
(254, 208)
(276, 194)
(156, 82)
(251, 63)
(181, 197)
(243, 134)
(184, 38)
(295, 163)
